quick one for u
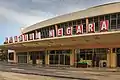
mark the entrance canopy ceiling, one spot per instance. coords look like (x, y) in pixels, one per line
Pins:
(91, 40)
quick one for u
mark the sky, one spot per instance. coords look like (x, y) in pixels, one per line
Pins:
(16, 14)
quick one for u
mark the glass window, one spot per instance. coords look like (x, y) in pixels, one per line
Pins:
(118, 24)
(78, 22)
(88, 56)
(67, 59)
(11, 56)
(90, 20)
(74, 30)
(84, 28)
(113, 24)
(82, 54)
(83, 21)
(70, 23)
(52, 52)
(103, 56)
(102, 18)
(113, 16)
(51, 59)
(96, 24)
(74, 23)
(118, 15)
(107, 17)
(56, 59)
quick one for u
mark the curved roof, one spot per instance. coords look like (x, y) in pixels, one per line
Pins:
(93, 11)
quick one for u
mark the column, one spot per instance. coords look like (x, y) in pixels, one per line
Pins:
(87, 22)
(111, 58)
(72, 57)
(15, 57)
(46, 58)
(28, 57)
(108, 59)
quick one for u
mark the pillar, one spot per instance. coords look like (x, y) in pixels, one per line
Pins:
(28, 57)
(46, 58)
(108, 59)
(72, 57)
(111, 58)
(15, 57)
(87, 22)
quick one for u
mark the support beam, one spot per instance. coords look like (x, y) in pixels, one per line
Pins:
(46, 58)
(72, 57)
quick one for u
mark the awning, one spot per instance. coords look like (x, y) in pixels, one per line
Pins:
(91, 40)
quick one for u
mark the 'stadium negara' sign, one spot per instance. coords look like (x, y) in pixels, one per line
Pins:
(104, 26)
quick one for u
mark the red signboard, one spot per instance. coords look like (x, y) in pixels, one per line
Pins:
(11, 40)
(25, 37)
(79, 29)
(104, 25)
(31, 36)
(51, 33)
(37, 35)
(60, 32)
(15, 39)
(91, 28)
(6, 40)
(20, 38)
(69, 31)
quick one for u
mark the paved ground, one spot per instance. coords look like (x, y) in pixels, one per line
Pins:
(60, 73)
(18, 76)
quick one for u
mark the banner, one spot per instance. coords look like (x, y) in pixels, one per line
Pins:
(91, 28)
(69, 30)
(11, 40)
(25, 37)
(15, 38)
(60, 32)
(20, 38)
(6, 40)
(51, 33)
(79, 29)
(104, 25)
(31, 36)
(37, 35)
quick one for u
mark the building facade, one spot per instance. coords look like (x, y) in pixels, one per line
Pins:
(88, 38)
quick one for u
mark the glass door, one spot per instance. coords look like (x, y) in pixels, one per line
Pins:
(67, 59)
(22, 59)
(62, 59)
(100, 57)
(118, 57)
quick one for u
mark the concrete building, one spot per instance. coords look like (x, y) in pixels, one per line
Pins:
(89, 38)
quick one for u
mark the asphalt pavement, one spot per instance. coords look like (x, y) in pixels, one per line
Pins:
(65, 73)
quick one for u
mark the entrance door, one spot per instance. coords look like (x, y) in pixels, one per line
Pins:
(42, 56)
(99, 57)
(67, 59)
(118, 56)
(62, 59)
(118, 60)
(22, 59)
(34, 58)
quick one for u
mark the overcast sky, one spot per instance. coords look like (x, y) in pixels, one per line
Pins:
(15, 14)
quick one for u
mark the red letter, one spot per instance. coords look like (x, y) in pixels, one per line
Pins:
(91, 27)
(79, 29)
(104, 25)
(69, 31)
